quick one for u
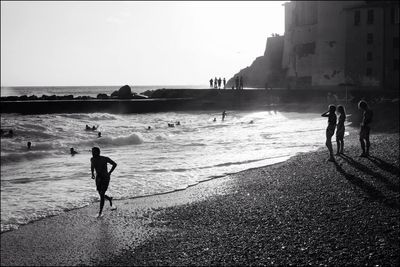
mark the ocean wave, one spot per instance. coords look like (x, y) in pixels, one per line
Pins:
(132, 139)
(94, 116)
(24, 156)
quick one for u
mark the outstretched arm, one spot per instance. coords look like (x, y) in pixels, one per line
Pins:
(325, 114)
(114, 165)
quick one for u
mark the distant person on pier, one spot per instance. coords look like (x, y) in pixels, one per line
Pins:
(237, 83)
(241, 82)
(211, 83)
(219, 83)
(29, 144)
(224, 81)
(215, 83)
(340, 130)
(99, 163)
(223, 115)
(330, 130)
(364, 127)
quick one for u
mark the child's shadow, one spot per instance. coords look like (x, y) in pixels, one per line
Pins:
(371, 191)
(389, 184)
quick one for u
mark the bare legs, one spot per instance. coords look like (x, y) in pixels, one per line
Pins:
(328, 144)
(340, 145)
(103, 196)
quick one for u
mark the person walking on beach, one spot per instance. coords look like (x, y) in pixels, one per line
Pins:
(364, 127)
(99, 163)
(330, 130)
(211, 83)
(340, 129)
(224, 81)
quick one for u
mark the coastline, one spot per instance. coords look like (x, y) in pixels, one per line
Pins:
(264, 215)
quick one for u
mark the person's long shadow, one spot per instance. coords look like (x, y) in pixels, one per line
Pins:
(389, 184)
(371, 191)
(385, 165)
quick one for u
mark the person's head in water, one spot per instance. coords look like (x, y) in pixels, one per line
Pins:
(73, 152)
(332, 108)
(341, 110)
(95, 151)
(99, 134)
(362, 105)
(29, 145)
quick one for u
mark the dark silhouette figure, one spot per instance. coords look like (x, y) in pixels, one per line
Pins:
(330, 130)
(215, 119)
(219, 83)
(215, 83)
(224, 81)
(340, 130)
(237, 83)
(87, 128)
(364, 128)
(29, 145)
(241, 82)
(223, 115)
(233, 87)
(99, 135)
(171, 125)
(211, 83)
(178, 123)
(149, 128)
(72, 151)
(99, 163)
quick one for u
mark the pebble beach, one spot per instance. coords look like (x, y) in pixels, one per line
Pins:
(299, 212)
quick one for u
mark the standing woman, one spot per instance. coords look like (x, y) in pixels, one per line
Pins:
(330, 130)
(340, 130)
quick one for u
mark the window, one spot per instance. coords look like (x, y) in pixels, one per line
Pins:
(370, 16)
(395, 15)
(395, 64)
(369, 56)
(395, 42)
(370, 38)
(369, 72)
(357, 17)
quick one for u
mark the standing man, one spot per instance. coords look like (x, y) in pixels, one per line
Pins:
(211, 83)
(223, 115)
(99, 163)
(241, 83)
(219, 83)
(237, 83)
(224, 83)
(364, 128)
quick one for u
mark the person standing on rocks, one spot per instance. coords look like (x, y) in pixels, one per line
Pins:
(99, 163)
(330, 130)
(364, 128)
(340, 130)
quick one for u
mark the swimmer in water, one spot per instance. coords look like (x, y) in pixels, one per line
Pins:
(29, 145)
(72, 151)
(99, 135)
(223, 115)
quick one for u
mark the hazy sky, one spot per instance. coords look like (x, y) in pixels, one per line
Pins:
(136, 43)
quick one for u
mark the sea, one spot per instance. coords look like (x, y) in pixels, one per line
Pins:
(46, 180)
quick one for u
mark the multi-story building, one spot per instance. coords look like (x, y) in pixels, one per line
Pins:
(372, 45)
(331, 43)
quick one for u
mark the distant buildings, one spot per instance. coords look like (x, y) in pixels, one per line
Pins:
(328, 44)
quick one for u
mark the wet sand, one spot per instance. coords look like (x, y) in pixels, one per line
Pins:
(303, 211)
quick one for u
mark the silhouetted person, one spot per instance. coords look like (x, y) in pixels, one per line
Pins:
(251, 122)
(219, 83)
(99, 135)
(237, 82)
(99, 163)
(178, 123)
(233, 87)
(87, 127)
(215, 119)
(215, 82)
(364, 127)
(340, 129)
(149, 128)
(330, 130)
(94, 128)
(223, 115)
(211, 83)
(171, 125)
(72, 151)
(241, 82)
(29, 145)
(224, 81)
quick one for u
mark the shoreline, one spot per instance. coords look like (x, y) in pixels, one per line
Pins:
(141, 226)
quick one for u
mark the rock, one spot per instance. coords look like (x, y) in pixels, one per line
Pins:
(125, 92)
(102, 96)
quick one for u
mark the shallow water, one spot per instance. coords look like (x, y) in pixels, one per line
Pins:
(47, 180)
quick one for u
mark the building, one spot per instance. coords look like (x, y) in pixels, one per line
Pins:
(331, 43)
(372, 45)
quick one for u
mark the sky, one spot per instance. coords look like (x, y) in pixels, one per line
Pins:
(72, 43)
